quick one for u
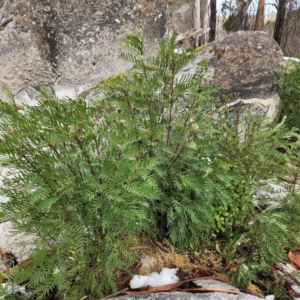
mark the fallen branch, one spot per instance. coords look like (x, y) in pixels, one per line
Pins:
(192, 34)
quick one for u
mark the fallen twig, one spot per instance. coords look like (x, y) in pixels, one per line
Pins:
(115, 294)
(192, 34)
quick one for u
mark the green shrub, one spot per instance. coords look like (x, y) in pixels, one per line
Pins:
(82, 201)
(289, 88)
(152, 158)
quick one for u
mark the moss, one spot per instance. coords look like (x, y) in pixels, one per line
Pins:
(99, 85)
(220, 54)
(214, 48)
(200, 48)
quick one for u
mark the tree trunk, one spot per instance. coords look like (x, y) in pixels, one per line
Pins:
(242, 7)
(279, 22)
(203, 7)
(245, 23)
(197, 20)
(213, 20)
(204, 20)
(260, 16)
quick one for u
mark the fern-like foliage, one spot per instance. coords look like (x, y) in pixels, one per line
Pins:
(151, 158)
(78, 198)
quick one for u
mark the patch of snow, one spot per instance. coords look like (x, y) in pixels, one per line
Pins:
(178, 50)
(291, 58)
(270, 297)
(138, 281)
(166, 276)
(296, 288)
(13, 289)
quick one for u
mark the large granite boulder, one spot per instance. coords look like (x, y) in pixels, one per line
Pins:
(243, 65)
(73, 44)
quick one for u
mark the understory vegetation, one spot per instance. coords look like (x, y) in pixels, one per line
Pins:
(155, 158)
(289, 87)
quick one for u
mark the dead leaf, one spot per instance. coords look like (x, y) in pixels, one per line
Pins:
(138, 265)
(223, 278)
(294, 258)
(219, 277)
(253, 289)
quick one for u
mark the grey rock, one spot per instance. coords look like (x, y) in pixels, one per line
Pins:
(215, 284)
(188, 296)
(20, 245)
(28, 96)
(72, 44)
(244, 66)
(275, 191)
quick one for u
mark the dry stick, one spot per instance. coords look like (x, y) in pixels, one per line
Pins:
(115, 294)
(159, 245)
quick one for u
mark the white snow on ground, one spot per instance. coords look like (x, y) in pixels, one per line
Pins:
(296, 288)
(12, 289)
(291, 58)
(166, 276)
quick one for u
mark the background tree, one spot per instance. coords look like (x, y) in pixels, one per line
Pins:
(236, 14)
(260, 16)
(197, 18)
(242, 7)
(204, 20)
(279, 22)
(213, 20)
